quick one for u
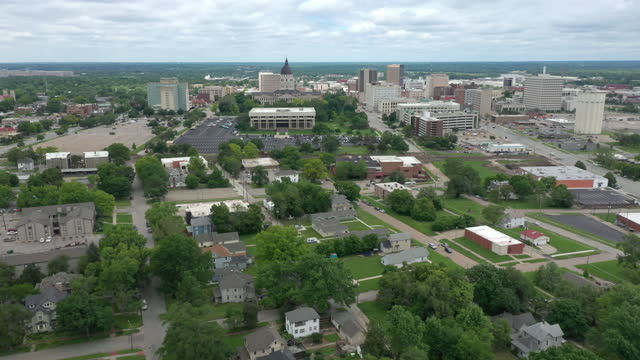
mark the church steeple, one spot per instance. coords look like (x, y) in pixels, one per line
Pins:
(286, 70)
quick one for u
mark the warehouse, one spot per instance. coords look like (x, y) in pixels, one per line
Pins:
(507, 148)
(494, 240)
(629, 220)
(570, 176)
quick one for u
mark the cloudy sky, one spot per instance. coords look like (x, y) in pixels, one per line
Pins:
(318, 30)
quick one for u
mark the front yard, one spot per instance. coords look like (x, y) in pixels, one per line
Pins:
(363, 266)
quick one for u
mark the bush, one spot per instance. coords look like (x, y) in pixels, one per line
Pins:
(316, 338)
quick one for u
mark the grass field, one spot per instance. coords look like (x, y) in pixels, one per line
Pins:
(124, 218)
(466, 253)
(536, 260)
(438, 258)
(123, 203)
(249, 239)
(464, 206)
(485, 253)
(562, 244)
(522, 256)
(363, 266)
(236, 340)
(368, 285)
(220, 311)
(128, 321)
(608, 270)
(356, 225)
(611, 218)
(480, 165)
(374, 311)
(422, 226)
(372, 220)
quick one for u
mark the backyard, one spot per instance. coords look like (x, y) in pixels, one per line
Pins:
(363, 266)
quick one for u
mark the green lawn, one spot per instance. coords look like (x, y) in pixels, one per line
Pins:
(236, 340)
(536, 260)
(611, 217)
(562, 243)
(310, 232)
(363, 266)
(332, 337)
(368, 285)
(219, 311)
(249, 239)
(422, 226)
(374, 310)
(438, 258)
(480, 165)
(464, 206)
(608, 270)
(514, 263)
(465, 252)
(356, 225)
(372, 220)
(521, 256)
(128, 321)
(251, 250)
(132, 357)
(485, 253)
(124, 218)
(123, 203)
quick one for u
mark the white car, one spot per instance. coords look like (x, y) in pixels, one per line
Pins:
(48, 239)
(12, 232)
(313, 240)
(433, 246)
(144, 305)
(41, 240)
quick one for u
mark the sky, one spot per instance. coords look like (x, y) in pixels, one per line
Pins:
(318, 30)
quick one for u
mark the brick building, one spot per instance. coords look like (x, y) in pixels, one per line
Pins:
(570, 176)
(494, 240)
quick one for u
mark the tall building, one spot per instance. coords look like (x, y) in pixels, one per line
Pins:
(543, 92)
(479, 100)
(589, 112)
(268, 81)
(376, 92)
(366, 76)
(437, 124)
(435, 80)
(395, 74)
(168, 94)
(287, 82)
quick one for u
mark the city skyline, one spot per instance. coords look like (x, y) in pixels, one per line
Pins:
(407, 31)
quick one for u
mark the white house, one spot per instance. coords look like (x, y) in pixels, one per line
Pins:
(292, 175)
(512, 220)
(302, 322)
(416, 254)
(535, 237)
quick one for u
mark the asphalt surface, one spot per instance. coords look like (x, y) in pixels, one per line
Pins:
(32, 140)
(590, 225)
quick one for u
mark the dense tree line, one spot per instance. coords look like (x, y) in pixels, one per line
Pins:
(153, 176)
(438, 142)
(296, 199)
(244, 222)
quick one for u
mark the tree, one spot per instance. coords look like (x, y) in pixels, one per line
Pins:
(523, 185)
(259, 176)
(561, 197)
(349, 189)
(163, 220)
(631, 251)
(221, 218)
(153, 176)
(7, 178)
(404, 330)
(396, 176)
(497, 290)
(548, 277)
(423, 210)
(217, 180)
(280, 243)
(12, 329)
(198, 168)
(250, 150)
(569, 315)
(330, 144)
(6, 196)
(105, 203)
(58, 264)
(611, 178)
(580, 165)
(250, 315)
(314, 170)
(31, 274)
(493, 213)
(115, 179)
(618, 322)
(119, 153)
(401, 201)
(176, 255)
(84, 311)
(191, 336)
(192, 181)
(564, 352)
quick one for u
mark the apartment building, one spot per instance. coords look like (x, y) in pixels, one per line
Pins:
(168, 94)
(406, 110)
(287, 118)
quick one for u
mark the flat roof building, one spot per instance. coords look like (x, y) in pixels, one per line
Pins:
(92, 159)
(383, 190)
(404, 111)
(629, 220)
(570, 176)
(494, 240)
(374, 93)
(479, 100)
(589, 112)
(395, 74)
(507, 148)
(58, 160)
(265, 162)
(277, 118)
(437, 124)
(408, 165)
(366, 76)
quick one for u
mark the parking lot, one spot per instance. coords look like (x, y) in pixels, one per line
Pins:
(590, 225)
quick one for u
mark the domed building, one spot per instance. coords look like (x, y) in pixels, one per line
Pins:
(287, 81)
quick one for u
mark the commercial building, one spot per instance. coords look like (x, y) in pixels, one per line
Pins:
(213, 92)
(435, 81)
(383, 190)
(93, 159)
(82, 110)
(408, 165)
(388, 106)
(367, 76)
(404, 111)
(395, 74)
(437, 124)
(629, 220)
(504, 119)
(543, 92)
(509, 106)
(507, 148)
(282, 118)
(589, 112)
(570, 176)
(168, 94)
(374, 93)
(6, 132)
(494, 240)
(181, 162)
(479, 100)
(68, 220)
(60, 160)
(288, 96)
(268, 81)
(267, 163)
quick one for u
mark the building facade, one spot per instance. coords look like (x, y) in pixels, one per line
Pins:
(302, 322)
(395, 74)
(479, 100)
(39, 223)
(589, 112)
(543, 92)
(570, 176)
(430, 124)
(366, 76)
(494, 240)
(404, 111)
(374, 93)
(268, 81)
(383, 190)
(93, 159)
(60, 160)
(168, 94)
(278, 118)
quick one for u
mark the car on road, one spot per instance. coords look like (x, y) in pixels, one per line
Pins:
(383, 211)
(448, 250)
(48, 239)
(144, 305)
(445, 245)
(377, 208)
(12, 232)
(41, 240)
(433, 246)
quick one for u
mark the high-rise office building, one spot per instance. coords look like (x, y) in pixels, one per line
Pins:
(479, 100)
(589, 112)
(168, 94)
(435, 80)
(395, 74)
(543, 92)
(366, 76)
(376, 92)
(268, 81)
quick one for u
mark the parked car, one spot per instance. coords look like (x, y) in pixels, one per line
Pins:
(382, 211)
(433, 246)
(144, 305)
(448, 250)
(48, 239)
(313, 240)
(12, 232)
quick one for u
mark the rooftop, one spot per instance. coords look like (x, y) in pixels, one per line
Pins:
(204, 208)
(406, 160)
(265, 162)
(392, 186)
(533, 234)
(282, 110)
(408, 255)
(635, 217)
(506, 145)
(561, 172)
(301, 314)
(57, 155)
(262, 339)
(493, 235)
(96, 154)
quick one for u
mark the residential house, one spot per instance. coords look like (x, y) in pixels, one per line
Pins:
(26, 164)
(383, 190)
(43, 305)
(68, 220)
(512, 220)
(302, 322)
(517, 321)
(201, 225)
(535, 237)
(328, 223)
(381, 233)
(292, 175)
(234, 287)
(396, 243)
(230, 255)
(348, 327)
(212, 238)
(416, 254)
(262, 342)
(537, 337)
(340, 203)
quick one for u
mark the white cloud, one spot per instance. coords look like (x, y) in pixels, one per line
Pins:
(362, 26)
(323, 5)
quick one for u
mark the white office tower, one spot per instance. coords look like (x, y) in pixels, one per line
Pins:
(589, 112)
(543, 92)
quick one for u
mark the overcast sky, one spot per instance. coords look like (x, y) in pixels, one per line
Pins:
(318, 30)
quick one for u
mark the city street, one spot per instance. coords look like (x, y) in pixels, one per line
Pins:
(375, 122)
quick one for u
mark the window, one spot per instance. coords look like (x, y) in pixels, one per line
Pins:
(42, 326)
(39, 317)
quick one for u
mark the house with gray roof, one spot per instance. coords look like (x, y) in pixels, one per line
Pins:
(396, 243)
(67, 221)
(261, 342)
(200, 225)
(517, 321)
(43, 305)
(537, 337)
(41, 259)
(340, 203)
(382, 233)
(416, 254)
(302, 322)
(328, 223)
(284, 354)
(234, 287)
(292, 175)
(348, 327)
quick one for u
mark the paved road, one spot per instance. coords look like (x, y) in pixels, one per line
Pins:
(375, 121)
